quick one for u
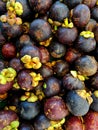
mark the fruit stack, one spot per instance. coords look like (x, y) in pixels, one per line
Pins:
(48, 65)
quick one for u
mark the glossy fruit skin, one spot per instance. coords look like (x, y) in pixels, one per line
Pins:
(94, 105)
(6, 87)
(23, 40)
(44, 52)
(41, 6)
(24, 80)
(91, 120)
(40, 30)
(72, 83)
(73, 123)
(91, 24)
(61, 68)
(11, 32)
(9, 50)
(41, 122)
(85, 44)
(94, 81)
(63, 35)
(94, 13)
(86, 65)
(58, 11)
(72, 3)
(57, 50)
(55, 108)
(78, 15)
(29, 110)
(71, 55)
(31, 50)
(16, 64)
(89, 3)
(76, 104)
(52, 87)
(95, 30)
(26, 126)
(7, 115)
(46, 71)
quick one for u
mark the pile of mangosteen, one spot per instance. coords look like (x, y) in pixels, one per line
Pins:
(48, 65)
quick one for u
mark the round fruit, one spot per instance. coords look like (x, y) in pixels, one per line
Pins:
(24, 80)
(51, 87)
(26, 126)
(41, 122)
(40, 30)
(57, 50)
(40, 7)
(58, 11)
(31, 50)
(9, 50)
(86, 65)
(73, 3)
(72, 83)
(6, 117)
(78, 15)
(55, 108)
(29, 110)
(77, 104)
(46, 71)
(89, 3)
(67, 35)
(61, 67)
(16, 64)
(85, 44)
(74, 123)
(91, 120)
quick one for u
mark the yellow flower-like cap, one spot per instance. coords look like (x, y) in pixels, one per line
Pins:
(56, 124)
(9, 73)
(85, 95)
(96, 93)
(67, 24)
(35, 78)
(31, 97)
(2, 79)
(26, 59)
(76, 75)
(46, 43)
(18, 8)
(87, 34)
(36, 63)
(31, 62)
